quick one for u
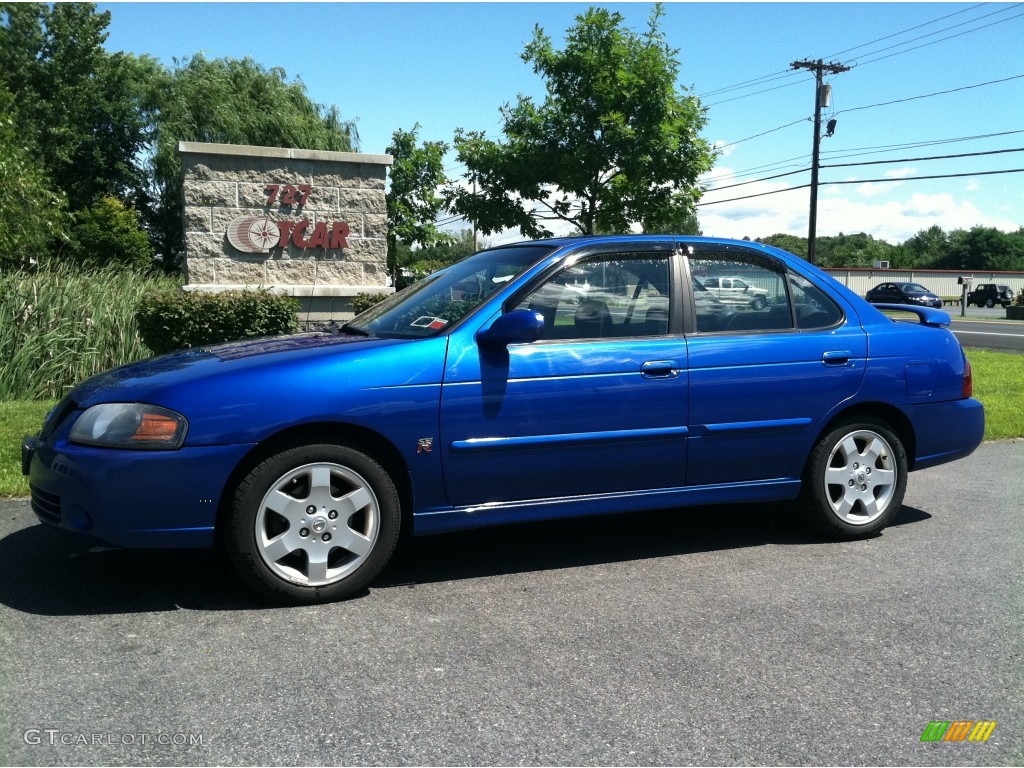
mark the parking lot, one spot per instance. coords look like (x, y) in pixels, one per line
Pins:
(713, 636)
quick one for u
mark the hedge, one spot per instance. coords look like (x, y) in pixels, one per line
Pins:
(191, 319)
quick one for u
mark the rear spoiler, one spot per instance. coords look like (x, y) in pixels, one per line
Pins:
(926, 315)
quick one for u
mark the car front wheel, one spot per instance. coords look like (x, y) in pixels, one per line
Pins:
(855, 480)
(313, 524)
(990, 303)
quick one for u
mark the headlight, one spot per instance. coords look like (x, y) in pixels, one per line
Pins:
(130, 425)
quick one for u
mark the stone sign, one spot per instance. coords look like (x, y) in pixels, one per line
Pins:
(306, 223)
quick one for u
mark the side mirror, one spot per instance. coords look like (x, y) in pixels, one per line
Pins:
(520, 326)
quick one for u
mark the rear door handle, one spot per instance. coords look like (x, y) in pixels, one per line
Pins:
(659, 369)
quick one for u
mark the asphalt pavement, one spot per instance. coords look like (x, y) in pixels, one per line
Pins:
(716, 636)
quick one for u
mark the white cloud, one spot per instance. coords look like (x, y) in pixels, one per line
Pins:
(893, 221)
(900, 173)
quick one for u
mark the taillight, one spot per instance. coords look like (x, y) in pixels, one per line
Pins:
(968, 388)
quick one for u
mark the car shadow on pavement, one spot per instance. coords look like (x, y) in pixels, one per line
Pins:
(614, 538)
(45, 572)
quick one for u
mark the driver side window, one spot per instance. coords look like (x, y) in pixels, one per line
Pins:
(607, 296)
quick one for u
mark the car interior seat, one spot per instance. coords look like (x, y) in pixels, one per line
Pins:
(593, 320)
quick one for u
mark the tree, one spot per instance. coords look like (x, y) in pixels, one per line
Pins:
(414, 198)
(859, 250)
(31, 214)
(230, 101)
(793, 243)
(928, 247)
(78, 106)
(615, 142)
(107, 232)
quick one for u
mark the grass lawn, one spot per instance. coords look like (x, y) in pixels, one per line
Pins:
(998, 383)
(17, 419)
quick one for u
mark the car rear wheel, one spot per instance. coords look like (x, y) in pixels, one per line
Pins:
(313, 524)
(855, 479)
(758, 303)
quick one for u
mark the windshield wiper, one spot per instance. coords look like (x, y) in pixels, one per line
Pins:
(351, 330)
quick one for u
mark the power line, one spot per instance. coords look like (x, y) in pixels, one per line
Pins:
(933, 42)
(784, 74)
(904, 31)
(929, 95)
(922, 159)
(925, 178)
(870, 162)
(879, 104)
(862, 181)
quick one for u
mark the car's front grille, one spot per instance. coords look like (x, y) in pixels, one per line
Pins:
(46, 506)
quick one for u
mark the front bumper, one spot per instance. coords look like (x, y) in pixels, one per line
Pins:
(137, 499)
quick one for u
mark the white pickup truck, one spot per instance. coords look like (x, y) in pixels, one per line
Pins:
(736, 291)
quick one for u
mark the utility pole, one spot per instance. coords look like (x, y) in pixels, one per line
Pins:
(818, 67)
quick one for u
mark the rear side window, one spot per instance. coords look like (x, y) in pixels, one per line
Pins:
(744, 292)
(814, 309)
(738, 291)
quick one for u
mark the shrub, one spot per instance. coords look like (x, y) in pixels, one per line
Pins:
(363, 301)
(174, 321)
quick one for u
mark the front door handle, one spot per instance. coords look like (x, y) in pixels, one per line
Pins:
(837, 359)
(660, 369)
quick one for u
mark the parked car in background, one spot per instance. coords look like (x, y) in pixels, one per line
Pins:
(735, 290)
(990, 294)
(903, 293)
(488, 393)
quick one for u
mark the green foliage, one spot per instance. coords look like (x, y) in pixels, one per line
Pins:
(860, 250)
(63, 324)
(76, 105)
(17, 419)
(425, 261)
(173, 321)
(792, 243)
(107, 232)
(614, 143)
(979, 248)
(413, 198)
(31, 215)
(363, 300)
(230, 101)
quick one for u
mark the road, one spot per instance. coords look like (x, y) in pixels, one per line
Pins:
(1007, 336)
(715, 636)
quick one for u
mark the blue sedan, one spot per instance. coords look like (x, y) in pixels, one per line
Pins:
(540, 380)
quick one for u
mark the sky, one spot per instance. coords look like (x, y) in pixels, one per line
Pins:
(926, 80)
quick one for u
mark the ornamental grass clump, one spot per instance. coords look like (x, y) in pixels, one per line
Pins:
(62, 324)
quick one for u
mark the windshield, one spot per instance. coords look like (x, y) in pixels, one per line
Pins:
(914, 288)
(445, 297)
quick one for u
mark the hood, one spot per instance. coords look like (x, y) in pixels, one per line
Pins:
(143, 381)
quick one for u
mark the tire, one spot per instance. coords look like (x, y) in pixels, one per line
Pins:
(855, 479)
(758, 303)
(313, 524)
(990, 303)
